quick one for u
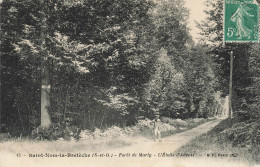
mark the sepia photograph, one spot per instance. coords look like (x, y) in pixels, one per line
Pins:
(129, 83)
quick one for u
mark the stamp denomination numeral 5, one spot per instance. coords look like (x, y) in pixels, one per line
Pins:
(230, 32)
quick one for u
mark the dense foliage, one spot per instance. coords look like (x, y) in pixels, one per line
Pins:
(245, 69)
(244, 129)
(109, 62)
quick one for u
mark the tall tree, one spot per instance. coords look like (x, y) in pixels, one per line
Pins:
(45, 76)
(164, 90)
(212, 30)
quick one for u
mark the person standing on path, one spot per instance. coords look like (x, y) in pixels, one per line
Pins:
(156, 127)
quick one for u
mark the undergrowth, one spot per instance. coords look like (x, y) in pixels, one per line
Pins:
(240, 138)
(143, 128)
(62, 138)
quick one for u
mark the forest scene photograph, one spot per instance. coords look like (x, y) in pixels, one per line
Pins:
(129, 83)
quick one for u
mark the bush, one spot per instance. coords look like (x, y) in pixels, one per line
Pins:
(240, 134)
(113, 132)
(142, 128)
(178, 123)
(86, 135)
(110, 133)
(55, 132)
(242, 115)
(172, 122)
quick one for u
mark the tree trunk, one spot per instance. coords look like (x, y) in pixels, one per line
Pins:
(102, 120)
(45, 94)
(45, 76)
(66, 101)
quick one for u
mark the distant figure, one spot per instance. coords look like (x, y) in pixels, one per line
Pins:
(239, 18)
(156, 127)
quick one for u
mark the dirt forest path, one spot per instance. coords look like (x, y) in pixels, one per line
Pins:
(171, 143)
(143, 154)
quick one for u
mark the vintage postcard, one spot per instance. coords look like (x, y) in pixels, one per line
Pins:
(129, 83)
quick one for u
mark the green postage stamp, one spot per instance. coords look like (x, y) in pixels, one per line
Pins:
(241, 21)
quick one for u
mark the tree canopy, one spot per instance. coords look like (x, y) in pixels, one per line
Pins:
(107, 63)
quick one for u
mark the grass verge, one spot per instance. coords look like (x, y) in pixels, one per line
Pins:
(219, 144)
